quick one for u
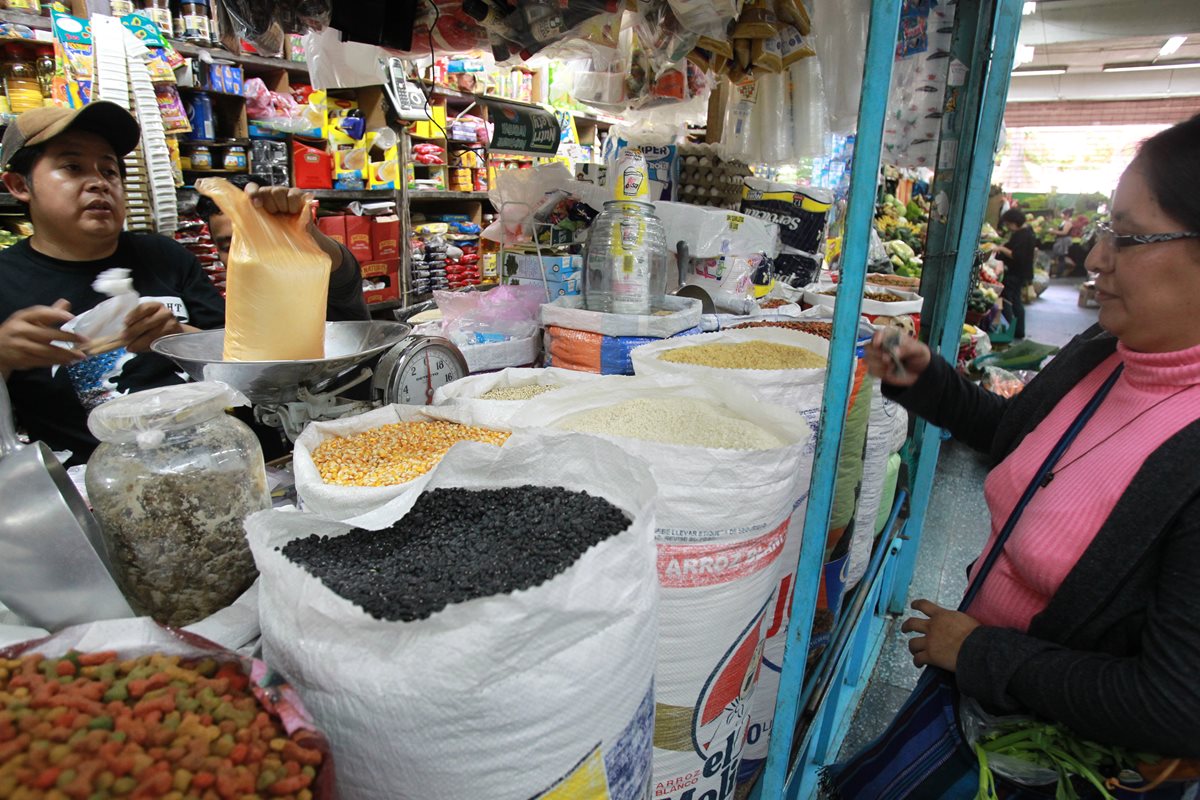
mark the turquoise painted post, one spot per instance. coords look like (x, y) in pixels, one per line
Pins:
(860, 213)
(974, 197)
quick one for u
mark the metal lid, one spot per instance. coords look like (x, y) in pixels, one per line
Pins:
(146, 416)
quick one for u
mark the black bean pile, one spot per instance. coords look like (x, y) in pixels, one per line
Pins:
(457, 545)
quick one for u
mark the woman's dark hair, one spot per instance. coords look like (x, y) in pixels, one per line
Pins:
(1014, 216)
(1170, 160)
(1068, 212)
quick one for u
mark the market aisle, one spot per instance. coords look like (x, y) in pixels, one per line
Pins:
(956, 527)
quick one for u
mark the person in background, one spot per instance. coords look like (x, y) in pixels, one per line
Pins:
(1090, 618)
(1017, 255)
(345, 285)
(1062, 241)
(66, 166)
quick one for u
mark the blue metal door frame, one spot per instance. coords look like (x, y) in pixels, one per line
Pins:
(973, 180)
(860, 215)
(781, 778)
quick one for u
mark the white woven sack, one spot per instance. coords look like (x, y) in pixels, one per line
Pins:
(875, 457)
(465, 393)
(544, 692)
(911, 304)
(569, 312)
(344, 502)
(725, 521)
(498, 355)
(801, 391)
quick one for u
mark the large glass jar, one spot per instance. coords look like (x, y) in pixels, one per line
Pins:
(20, 79)
(626, 260)
(171, 483)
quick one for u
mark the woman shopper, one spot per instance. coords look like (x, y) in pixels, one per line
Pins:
(1062, 241)
(1086, 613)
(1017, 255)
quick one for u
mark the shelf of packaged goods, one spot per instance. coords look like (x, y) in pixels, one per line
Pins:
(216, 142)
(206, 90)
(418, 194)
(217, 171)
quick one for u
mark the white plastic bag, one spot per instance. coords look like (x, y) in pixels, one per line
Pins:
(886, 418)
(466, 393)
(545, 692)
(344, 502)
(726, 522)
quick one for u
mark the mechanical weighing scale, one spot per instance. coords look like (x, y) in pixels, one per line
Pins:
(290, 394)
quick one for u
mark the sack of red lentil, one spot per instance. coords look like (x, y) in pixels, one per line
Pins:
(492, 636)
(349, 466)
(732, 475)
(492, 398)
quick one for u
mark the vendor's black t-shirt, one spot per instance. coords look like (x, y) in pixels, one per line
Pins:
(162, 270)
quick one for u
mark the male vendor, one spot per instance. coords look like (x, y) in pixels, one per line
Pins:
(66, 166)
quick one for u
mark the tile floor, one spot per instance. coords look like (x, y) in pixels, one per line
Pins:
(956, 528)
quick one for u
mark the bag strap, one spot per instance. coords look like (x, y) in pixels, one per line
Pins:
(1036, 483)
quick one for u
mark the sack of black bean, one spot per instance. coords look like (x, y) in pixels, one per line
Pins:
(492, 636)
(732, 476)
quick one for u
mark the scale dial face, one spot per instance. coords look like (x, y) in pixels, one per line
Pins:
(431, 364)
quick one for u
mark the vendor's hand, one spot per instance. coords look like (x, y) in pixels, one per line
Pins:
(1002, 250)
(148, 322)
(942, 635)
(913, 354)
(26, 339)
(278, 199)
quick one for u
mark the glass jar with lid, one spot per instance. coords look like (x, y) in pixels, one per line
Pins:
(45, 68)
(20, 79)
(171, 483)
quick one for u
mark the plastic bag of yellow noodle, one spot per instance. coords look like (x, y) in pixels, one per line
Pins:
(277, 282)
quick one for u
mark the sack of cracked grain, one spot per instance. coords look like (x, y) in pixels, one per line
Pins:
(494, 397)
(732, 475)
(277, 282)
(491, 636)
(349, 466)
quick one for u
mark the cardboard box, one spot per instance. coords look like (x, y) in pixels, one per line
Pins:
(385, 237)
(378, 267)
(358, 237)
(334, 227)
(389, 293)
(563, 288)
(523, 265)
(312, 166)
(427, 129)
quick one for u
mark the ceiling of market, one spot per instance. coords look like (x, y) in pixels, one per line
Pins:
(1085, 36)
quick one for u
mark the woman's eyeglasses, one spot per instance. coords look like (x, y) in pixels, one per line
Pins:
(1107, 235)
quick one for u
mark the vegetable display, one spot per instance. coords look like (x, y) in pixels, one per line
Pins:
(90, 726)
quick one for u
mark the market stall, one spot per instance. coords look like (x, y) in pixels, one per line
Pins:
(611, 507)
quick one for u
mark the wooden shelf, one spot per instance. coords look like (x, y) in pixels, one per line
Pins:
(243, 60)
(34, 21)
(352, 194)
(419, 194)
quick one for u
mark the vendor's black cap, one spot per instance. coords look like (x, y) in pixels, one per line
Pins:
(40, 125)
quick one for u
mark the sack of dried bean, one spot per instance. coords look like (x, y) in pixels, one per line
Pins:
(492, 636)
(127, 708)
(353, 465)
(732, 475)
(492, 398)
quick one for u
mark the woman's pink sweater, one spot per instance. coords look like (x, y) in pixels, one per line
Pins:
(1156, 396)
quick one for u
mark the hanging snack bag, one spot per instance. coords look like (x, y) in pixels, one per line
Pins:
(277, 283)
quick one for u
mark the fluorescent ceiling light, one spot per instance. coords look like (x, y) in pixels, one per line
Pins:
(1146, 66)
(1024, 54)
(1173, 44)
(1030, 7)
(1029, 73)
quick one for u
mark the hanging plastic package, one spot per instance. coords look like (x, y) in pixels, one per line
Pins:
(277, 283)
(730, 482)
(800, 213)
(543, 691)
(95, 380)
